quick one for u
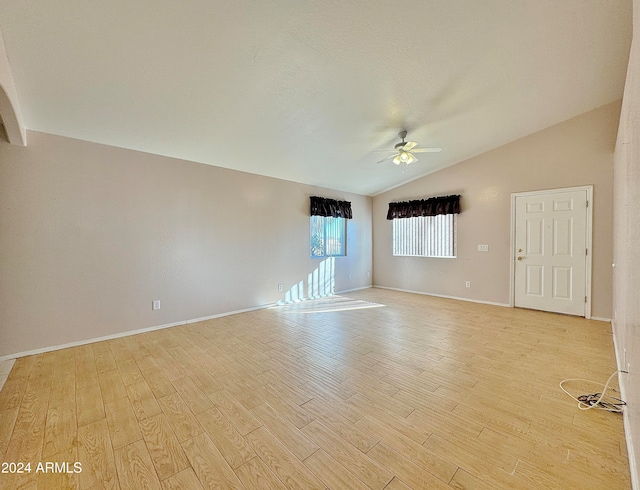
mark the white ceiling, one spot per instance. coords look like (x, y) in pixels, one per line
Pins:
(305, 90)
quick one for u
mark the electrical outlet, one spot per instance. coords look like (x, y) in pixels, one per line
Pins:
(483, 248)
(467, 284)
(280, 287)
(368, 274)
(155, 304)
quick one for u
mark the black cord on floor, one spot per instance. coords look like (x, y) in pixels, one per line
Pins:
(599, 401)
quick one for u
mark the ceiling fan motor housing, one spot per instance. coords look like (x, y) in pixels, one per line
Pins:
(403, 135)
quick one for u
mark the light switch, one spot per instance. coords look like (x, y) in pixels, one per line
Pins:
(483, 248)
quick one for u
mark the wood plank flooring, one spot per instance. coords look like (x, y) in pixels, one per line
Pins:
(378, 390)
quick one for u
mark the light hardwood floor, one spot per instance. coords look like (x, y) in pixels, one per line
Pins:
(380, 390)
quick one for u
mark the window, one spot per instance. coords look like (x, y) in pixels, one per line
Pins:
(425, 236)
(329, 226)
(328, 237)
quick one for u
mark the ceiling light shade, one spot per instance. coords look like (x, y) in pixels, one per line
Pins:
(404, 157)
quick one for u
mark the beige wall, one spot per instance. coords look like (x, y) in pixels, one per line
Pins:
(626, 277)
(573, 153)
(91, 234)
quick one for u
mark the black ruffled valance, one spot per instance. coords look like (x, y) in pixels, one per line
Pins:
(321, 206)
(424, 207)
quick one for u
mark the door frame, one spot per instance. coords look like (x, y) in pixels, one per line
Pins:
(589, 238)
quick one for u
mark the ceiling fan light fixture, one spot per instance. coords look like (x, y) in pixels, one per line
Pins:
(404, 151)
(404, 157)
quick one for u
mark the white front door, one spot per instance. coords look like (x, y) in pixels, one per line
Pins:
(550, 251)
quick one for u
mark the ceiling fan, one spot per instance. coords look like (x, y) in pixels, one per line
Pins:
(403, 152)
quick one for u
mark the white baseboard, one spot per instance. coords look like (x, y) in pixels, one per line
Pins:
(229, 313)
(124, 334)
(635, 477)
(143, 330)
(88, 341)
(354, 289)
(600, 319)
(444, 296)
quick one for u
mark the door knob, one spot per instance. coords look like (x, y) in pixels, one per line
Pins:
(520, 257)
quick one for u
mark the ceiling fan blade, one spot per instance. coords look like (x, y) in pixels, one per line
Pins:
(409, 145)
(426, 150)
(387, 158)
(386, 151)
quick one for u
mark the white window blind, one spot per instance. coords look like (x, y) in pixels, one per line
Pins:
(425, 236)
(328, 236)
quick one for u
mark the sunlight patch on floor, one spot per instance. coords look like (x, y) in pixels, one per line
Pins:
(324, 305)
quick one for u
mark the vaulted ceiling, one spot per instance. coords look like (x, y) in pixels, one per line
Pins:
(305, 90)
